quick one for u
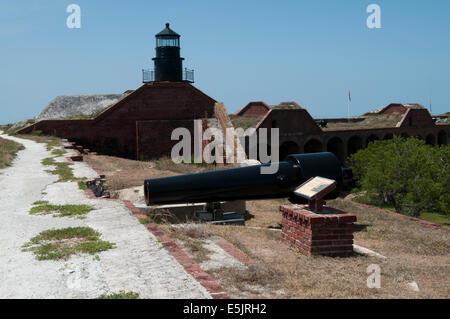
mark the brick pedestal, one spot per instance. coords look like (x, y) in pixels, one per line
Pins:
(329, 233)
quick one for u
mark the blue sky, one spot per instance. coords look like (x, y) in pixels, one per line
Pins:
(311, 52)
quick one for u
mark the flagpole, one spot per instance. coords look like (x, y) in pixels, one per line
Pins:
(348, 106)
(348, 110)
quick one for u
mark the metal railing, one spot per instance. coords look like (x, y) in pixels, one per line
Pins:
(188, 75)
(148, 75)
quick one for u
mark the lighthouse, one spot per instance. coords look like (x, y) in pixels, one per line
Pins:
(168, 64)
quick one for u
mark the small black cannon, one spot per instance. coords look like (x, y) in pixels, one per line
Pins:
(322, 123)
(247, 183)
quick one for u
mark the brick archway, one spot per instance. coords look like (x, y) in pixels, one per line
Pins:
(442, 138)
(337, 147)
(372, 138)
(288, 148)
(313, 146)
(430, 139)
(354, 144)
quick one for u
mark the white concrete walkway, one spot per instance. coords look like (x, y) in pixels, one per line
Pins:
(138, 263)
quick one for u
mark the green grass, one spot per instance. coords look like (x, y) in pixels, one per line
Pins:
(40, 202)
(436, 218)
(60, 210)
(433, 217)
(82, 185)
(60, 244)
(8, 151)
(93, 247)
(58, 152)
(145, 221)
(62, 169)
(47, 161)
(121, 295)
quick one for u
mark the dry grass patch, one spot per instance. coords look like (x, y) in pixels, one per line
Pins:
(125, 173)
(191, 237)
(253, 281)
(268, 215)
(196, 231)
(414, 253)
(162, 216)
(390, 235)
(371, 121)
(245, 122)
(8, 151)
(51, 141)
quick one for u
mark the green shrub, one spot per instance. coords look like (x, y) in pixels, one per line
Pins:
(406, 174)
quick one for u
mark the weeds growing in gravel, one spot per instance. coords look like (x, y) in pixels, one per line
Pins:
(62, 169)
(145, 221)
(58, 152)
(60, 244)
(82, 185)
(60, 210)
(121, 295)
(40, 202)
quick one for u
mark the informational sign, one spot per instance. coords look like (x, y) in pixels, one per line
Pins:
(316, 186)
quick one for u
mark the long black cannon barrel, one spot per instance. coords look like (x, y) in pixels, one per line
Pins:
(245, 182)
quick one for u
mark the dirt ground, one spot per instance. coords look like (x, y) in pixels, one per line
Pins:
(124, 173)
(414, 253)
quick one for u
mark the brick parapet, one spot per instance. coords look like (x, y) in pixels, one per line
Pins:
(311, 233)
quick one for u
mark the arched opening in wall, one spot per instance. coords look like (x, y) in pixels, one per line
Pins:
(371, 138)
(354, 144)
(442, 138)
(313, 146)
(336, 146)
(430, 140)
(405, 135)
(288, 148)
(388, 136)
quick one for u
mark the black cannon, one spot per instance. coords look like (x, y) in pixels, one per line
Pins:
(247, 183)
(322, 123)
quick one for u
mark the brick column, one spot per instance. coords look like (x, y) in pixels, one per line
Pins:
(328, 233)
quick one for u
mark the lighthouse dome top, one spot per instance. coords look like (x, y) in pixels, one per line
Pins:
(167, 32)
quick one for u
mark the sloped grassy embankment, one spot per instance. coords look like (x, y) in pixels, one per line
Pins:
(8, 151)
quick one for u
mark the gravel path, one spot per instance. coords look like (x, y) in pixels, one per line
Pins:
(139, 263)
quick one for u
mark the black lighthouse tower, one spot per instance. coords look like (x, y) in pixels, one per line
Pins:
(168, 63)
